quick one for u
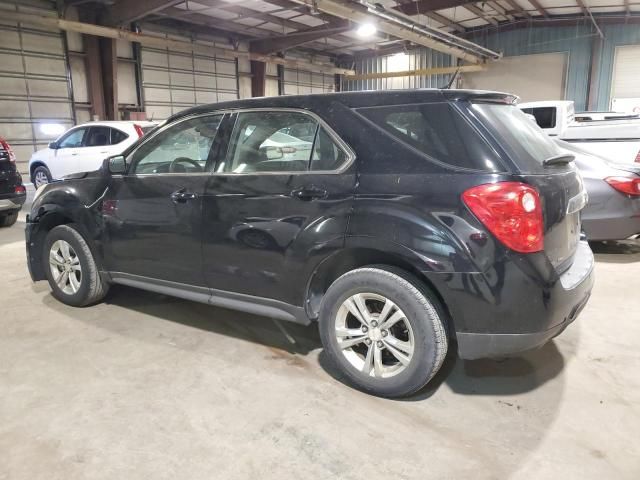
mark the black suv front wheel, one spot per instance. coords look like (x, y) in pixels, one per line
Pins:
(381, 328)
(71, 269)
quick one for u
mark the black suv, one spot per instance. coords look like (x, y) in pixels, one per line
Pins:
(12, 191)
(400, 221)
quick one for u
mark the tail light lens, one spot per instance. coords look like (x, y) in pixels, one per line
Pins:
(7, 148)
(637, 160)
(138, 130)
(512, 211)
(20, 189)
(626, 185)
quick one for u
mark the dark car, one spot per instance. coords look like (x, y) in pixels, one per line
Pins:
(613, 210)
(12, 192)
(421, 217)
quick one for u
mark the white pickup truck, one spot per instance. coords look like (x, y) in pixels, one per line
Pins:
(617, 138)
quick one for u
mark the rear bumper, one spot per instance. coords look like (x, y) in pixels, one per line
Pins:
(12, 202)
(519, 308)
(619, 228)
(472, 346)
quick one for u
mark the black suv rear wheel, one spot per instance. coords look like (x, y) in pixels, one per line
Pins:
(380, 327)
(71, 269)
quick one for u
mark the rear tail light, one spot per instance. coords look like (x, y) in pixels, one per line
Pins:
(138, 129)
(626, 185)
(7, 148)
(20, 189)
(637, 160)
(512, 211)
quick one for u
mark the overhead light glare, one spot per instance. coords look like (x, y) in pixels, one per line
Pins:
(51, 129)
(366, 30)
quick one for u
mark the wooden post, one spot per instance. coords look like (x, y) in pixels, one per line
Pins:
(258, 75)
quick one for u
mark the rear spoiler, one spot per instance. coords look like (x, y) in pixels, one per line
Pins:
(481, 96)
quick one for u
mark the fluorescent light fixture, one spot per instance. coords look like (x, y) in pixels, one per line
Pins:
(52, 129)
(366, 30)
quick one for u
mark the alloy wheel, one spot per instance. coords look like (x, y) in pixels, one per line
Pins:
(374, 335)
(40, 179)
(65, 267)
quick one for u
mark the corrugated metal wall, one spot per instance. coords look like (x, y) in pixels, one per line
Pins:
(577, 41)
(412, 60)
(615, 36)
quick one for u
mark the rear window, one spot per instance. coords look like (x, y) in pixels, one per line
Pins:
(545, 116)
(525, 143)
(436, 130)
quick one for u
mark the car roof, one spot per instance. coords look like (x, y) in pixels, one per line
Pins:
(115, 123)
(351, 99)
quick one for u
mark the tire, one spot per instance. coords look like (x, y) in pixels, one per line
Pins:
(39, 175)
(8, 219)
(90, 288)
(422, 328)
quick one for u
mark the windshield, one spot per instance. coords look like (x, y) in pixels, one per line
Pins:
(523, 140)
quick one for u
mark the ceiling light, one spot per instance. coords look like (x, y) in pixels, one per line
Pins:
(366, 30)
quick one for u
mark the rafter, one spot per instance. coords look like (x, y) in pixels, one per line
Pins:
(517, 9)
(424, 6)
(283, 42)
(481, 14)
(540, 8)
(124, 11)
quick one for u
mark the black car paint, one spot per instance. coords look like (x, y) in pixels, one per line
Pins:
(10, 179)
(389, 206)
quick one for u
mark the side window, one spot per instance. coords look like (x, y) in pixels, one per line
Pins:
(73, 139)
(98, 137)
(545, 116)
(117, 136)
(326, 154)
(181, 148)
(437, 130)
(269, 142)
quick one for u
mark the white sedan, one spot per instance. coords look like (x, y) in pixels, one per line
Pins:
(83, 148)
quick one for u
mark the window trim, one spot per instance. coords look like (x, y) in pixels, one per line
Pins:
(347, 150)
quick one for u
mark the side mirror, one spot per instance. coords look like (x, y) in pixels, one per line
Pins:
(53, 145)
(274, 153)
(116, 165)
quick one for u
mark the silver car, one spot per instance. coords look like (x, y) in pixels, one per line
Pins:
(613, 210)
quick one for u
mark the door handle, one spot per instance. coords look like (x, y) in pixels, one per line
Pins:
(182, 196)
(308, 193)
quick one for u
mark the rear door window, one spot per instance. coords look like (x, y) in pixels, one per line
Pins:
(98, 137)
(436, 130)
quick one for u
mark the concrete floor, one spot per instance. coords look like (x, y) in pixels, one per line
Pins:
(146, 386)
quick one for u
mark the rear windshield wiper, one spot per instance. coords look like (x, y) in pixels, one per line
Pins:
(561, 159)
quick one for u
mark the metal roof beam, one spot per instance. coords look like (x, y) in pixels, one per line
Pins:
(124, 12)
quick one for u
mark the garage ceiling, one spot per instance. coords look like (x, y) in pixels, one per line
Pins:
(306, 26)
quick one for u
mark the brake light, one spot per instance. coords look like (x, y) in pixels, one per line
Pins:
(138, 130)
(626, 185)
(20, 189)
(7, 148)
(512, 211)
